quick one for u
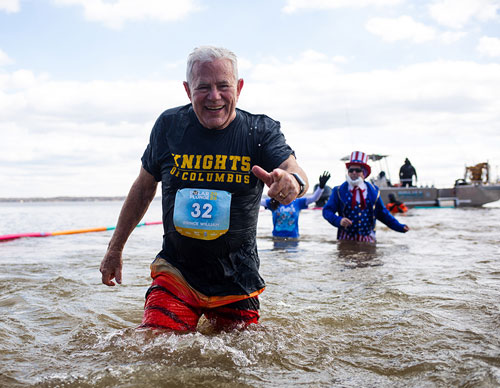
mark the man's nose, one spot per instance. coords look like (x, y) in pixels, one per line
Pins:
(214, 93)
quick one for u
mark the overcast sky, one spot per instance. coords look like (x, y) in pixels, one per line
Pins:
(82, 82)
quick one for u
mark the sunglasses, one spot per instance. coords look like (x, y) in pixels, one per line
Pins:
(355, 169)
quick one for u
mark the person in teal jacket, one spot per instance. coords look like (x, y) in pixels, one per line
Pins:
(354, 206)
(286, 217)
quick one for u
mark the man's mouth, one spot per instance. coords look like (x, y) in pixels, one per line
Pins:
(214, 108)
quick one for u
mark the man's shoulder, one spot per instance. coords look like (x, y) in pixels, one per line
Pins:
(173, 119)
(176, 111)
(372, 189)
(342, 187)
(340, 190)
(257, 118)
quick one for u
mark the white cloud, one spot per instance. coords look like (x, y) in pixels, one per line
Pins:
(296, 5)
(457, 13)
(77, 134)
(4, 59)
(10, 6)
(489, 46)
(320, 88)
(70, 133)
(449, 37)
(448, 110)
(93, 101)
(340, 59)
(401, 28)
(114, 15)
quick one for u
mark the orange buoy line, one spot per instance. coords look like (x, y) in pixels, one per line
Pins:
(8, 237)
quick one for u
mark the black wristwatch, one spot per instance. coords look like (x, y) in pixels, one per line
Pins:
(301, 182)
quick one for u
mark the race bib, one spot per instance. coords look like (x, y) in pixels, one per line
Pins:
(202, 213)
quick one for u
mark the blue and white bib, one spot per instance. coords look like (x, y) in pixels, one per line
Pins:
(202, 213)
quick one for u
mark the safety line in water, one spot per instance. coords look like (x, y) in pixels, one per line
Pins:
(8, 237)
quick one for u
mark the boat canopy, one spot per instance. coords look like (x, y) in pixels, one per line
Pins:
(373, 157)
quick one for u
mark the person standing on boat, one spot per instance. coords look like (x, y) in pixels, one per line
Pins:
(382, 181)
(286, 217)
(355, 205)
(406, 173)
(213, 161)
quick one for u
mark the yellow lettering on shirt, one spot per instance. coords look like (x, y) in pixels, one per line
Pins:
(245, 163)
(176, 159)
(235, 159)
(187, 161)
(208, 162)
(212, 168)
(220, 162)
(197, 164)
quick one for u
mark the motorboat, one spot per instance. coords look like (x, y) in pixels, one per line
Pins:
(474, 189)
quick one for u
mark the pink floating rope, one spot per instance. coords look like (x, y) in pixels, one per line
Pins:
(9, 237)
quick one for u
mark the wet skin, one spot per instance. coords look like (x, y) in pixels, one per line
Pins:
(214, 92)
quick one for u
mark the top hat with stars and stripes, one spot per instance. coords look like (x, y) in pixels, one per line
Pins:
(361, 159)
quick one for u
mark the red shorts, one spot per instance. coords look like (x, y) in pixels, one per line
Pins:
(172, 304)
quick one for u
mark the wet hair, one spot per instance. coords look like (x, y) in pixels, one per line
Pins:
(392, 198)
(208, 54)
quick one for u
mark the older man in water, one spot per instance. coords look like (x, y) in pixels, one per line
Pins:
(358, 204)
(213, 161)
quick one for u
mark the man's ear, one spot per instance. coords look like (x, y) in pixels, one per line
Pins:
(239, 86)
(186, 88)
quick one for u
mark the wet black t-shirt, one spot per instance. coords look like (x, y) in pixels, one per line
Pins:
(184, 154)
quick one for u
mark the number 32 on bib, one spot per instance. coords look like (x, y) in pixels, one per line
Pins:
(202, 213)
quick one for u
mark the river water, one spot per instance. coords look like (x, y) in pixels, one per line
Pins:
(422, 309)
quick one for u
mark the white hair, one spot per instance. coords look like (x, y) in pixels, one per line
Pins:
(209, 54)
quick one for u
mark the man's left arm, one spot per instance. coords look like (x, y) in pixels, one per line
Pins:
(283, 185)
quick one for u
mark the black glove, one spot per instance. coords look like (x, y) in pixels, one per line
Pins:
(273, 204)
(323, 179)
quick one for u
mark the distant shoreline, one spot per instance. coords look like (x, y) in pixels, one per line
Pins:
(64, 199)
(61, 199)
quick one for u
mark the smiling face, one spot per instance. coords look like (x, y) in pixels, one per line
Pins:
(214, 92)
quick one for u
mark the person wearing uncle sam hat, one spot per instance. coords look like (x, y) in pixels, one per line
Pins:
(355, 205)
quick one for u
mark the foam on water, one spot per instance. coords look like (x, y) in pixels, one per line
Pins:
(419, 310)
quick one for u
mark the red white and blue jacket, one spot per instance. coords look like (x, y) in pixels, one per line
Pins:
(363, 220)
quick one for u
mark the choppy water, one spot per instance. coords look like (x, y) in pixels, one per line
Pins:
(421, 310)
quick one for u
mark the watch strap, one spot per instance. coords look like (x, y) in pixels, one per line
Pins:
(301, 183)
